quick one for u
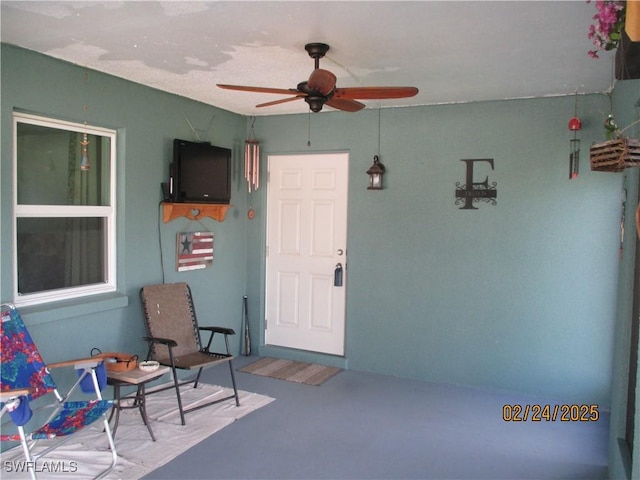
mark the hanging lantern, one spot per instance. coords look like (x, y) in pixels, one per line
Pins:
(375, 172)
(575, 125)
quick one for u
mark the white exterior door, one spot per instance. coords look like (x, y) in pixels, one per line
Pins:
(306, 244)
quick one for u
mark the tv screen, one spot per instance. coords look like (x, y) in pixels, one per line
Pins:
(201, 172)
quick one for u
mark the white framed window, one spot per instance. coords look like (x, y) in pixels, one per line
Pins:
(64, 210)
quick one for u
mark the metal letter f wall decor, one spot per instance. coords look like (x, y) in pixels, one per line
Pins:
(471, 192)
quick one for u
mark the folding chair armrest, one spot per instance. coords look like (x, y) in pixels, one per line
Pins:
(9, 394)
(164, 341)
(212, 331)
(88, 362)
(223, 330)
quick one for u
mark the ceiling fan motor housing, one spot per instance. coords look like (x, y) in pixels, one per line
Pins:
(322, 81)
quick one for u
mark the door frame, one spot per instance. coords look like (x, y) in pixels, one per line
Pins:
(283, 352)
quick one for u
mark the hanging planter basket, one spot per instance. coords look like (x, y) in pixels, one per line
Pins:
(615, 155)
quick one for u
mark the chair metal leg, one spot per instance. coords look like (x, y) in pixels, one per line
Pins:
(233, 377)
(27, 453)
(177, 386)
(195, 384)
(142, 406)
(112, 446)
(115, 409)
(176, 383)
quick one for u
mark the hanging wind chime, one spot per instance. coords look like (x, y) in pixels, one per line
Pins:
(575, 125)
(252, 164)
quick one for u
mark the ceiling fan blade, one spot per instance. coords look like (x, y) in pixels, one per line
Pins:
(322, 81)
(242, 88)
(278, 102)
(345, 104)
(374, 93)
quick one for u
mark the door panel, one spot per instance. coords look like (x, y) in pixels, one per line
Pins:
(288, 293)
(321, 300)
(306, 239)
(323, 220)
(289, 231)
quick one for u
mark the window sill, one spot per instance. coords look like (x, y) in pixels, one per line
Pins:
(51, 312)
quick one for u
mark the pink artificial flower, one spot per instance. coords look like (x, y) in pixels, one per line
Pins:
(608, 20)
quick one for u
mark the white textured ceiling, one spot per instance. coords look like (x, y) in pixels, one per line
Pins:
(453, 51)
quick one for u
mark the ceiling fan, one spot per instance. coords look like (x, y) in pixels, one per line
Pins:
(321, 88)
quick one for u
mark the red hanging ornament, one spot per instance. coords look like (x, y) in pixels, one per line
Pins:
(575, 124)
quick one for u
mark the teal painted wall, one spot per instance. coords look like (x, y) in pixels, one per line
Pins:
(625, 102)
(518, 296)
(147, 121)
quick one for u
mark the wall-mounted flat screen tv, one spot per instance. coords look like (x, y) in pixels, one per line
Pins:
(201, 172)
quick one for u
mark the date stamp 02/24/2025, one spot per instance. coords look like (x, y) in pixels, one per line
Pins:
(550, 413)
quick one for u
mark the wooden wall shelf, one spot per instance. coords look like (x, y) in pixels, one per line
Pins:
(194, 211)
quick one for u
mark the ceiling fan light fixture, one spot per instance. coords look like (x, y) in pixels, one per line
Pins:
(316, 102)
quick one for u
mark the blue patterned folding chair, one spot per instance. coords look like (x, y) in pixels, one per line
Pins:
(25, 378)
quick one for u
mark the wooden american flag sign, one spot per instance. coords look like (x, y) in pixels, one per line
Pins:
(195, 250)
